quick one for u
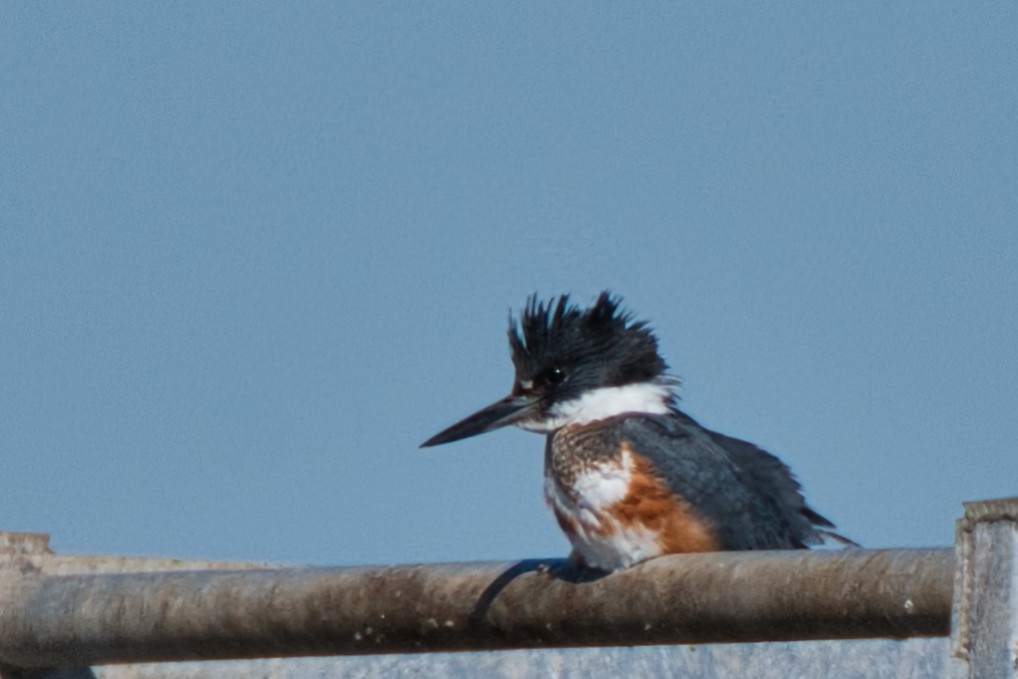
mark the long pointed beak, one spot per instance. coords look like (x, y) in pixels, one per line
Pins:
(509, 410)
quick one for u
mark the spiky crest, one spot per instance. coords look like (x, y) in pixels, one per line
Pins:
(601, 344)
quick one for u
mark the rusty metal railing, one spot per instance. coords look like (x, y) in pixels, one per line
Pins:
(57, 610)
(143, 617)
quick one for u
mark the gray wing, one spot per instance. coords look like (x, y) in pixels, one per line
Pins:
(775, 478)
(748, 494)
(778, 484)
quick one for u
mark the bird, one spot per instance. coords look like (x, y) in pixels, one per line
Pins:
(628, 475)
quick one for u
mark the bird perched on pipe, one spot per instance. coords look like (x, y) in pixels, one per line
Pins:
(627, 474)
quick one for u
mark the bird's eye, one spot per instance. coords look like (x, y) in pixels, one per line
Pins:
(553, 376)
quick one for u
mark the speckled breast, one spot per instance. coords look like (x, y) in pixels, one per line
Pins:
(611, 504)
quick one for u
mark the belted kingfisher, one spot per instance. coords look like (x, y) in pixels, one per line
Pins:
(627, 474)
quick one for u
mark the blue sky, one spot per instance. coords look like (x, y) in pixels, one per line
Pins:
(252, 254)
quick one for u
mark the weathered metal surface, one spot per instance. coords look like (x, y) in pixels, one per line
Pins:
(858, 659)
(984, 635)
(762, 596)
(31, 553)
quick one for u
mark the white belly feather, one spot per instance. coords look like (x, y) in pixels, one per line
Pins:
(601, 539)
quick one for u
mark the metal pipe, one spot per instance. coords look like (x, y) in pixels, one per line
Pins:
(701, 598)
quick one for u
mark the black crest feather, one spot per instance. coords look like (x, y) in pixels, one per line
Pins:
(600, 344)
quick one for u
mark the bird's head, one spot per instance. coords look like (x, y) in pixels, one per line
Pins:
(574, 365)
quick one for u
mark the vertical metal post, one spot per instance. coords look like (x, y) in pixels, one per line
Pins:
(984, 628)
